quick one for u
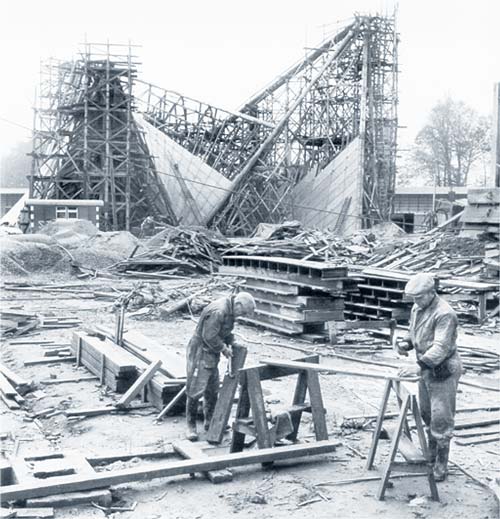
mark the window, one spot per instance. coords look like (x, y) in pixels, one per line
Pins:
(66, 212)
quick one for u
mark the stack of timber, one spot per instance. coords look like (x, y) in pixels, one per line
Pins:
(14, 322)
(177, 251)
(379, 296)
(482, 213)
(119, 367)
(10, 387)
(292, 296)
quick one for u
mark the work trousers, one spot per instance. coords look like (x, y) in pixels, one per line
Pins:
(205, 381)
(437, 400)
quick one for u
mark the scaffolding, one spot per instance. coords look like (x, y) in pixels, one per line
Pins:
(88, 145)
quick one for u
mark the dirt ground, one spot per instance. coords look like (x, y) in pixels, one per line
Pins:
(283, 491)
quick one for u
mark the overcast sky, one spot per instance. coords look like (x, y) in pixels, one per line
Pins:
(222, 51)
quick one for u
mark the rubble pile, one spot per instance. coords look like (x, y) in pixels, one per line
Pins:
(176, 252)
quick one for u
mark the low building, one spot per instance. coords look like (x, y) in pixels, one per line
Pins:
(42, 210)
(413, 206)
(8, 198)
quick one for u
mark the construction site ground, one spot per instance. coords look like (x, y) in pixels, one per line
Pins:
(288, 489)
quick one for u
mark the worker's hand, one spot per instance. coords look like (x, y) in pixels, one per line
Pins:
(410, 371)
(402, 348)
(227, 352)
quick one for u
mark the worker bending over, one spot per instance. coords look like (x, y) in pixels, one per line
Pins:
(433, 335)
(213, 336)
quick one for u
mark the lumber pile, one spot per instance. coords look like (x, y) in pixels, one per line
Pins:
(15, 322)
(482, 213)
(176, 252)
(380, 295)
(120, 367)
(292, 296)
(313, 245)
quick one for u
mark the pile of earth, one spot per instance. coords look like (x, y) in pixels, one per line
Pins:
(62, 242)
(23, 255)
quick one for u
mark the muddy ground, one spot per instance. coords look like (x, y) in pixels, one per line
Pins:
(288, 490)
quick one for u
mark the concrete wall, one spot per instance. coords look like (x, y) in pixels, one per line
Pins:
(197, 192)
(318, 198)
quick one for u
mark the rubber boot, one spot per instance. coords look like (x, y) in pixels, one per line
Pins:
(441, 465)
(191, 411)
(209, 401)
(431, 441)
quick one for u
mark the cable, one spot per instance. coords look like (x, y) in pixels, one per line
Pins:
(16, 124)
(199, 182)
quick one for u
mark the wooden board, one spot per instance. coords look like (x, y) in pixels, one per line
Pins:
(225, 400)
(137, 386)
(103, 479)
(192, 451)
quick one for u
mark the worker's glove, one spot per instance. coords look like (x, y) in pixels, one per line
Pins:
(227, 352)
(410, 371)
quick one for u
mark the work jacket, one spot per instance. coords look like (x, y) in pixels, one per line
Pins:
(433, 332)
(213, 331)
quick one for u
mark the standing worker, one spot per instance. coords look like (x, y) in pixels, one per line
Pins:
(433, 335)
(213, 336)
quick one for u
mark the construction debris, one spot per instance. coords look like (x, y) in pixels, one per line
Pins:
(177, 252)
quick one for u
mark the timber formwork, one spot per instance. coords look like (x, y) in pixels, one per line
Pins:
(345, 88)
(87, 144)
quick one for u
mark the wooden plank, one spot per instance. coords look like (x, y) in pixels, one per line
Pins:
(410, 452)
(28, 513)
(321, 368)
(7, 389)
(317, 408)
(479, 441)
(172, 403)
(50, 360)
(476, 422)
(258, 408)
(103, 479)
(192, 451)
(137, 386)
(101, 497)
(53, 381)
(97, 411)
(167, 452)
(14, 378)
(225, 400)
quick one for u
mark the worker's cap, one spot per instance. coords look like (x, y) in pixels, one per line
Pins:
(420, 284)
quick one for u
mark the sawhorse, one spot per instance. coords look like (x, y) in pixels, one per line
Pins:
(287, 425)
(416, 460)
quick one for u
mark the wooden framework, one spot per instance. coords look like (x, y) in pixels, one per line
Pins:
(86, 143)
(416, 460)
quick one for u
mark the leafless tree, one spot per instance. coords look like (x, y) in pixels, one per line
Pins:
(453, 140)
